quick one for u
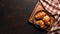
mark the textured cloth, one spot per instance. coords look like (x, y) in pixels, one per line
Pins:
(53, 7)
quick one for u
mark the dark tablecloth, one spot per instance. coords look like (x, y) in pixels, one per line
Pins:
(14, 17)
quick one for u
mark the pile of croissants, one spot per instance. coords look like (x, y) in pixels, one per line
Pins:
(43, 20)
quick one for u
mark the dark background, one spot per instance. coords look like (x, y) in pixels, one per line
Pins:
(14, 17)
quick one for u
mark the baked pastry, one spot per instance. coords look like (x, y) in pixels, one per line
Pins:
(40, 23)
(46, 19)
(40, 15)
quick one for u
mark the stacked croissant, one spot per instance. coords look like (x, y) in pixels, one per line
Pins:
(43, 20)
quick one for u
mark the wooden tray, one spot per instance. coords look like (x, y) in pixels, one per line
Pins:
(37, 8)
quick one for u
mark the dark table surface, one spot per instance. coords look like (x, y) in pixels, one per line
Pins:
(14, 17)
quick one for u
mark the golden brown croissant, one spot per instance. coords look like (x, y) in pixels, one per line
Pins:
(40, 23)
(40, 15)
(46, 18)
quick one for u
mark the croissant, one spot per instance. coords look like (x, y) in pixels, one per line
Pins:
(46, 18)
(40, 15)
(40, 23)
